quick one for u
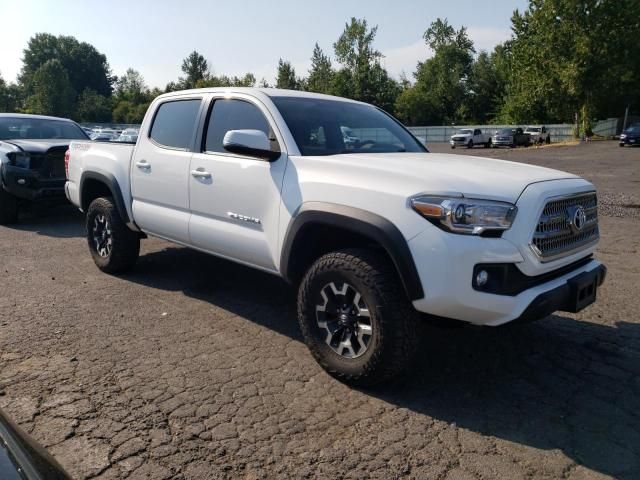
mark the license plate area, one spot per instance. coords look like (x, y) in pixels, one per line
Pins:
(583, 291)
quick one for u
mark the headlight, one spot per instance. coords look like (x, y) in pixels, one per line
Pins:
(19, 159)
(623, 136)
(465, 215)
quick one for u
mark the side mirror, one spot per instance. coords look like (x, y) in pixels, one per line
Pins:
(253, 143)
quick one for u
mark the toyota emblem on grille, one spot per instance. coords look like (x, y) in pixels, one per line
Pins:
(577, 218)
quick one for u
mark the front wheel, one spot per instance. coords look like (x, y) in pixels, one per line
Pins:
(356, 318)
(8, 207)
(622, 144)
(470, 144)
(114, 247)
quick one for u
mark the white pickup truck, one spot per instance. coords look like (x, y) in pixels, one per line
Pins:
(374, 235)
(470, 137)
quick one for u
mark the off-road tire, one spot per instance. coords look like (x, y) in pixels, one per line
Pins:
(394, 321)
(125, 246)
(8, 208)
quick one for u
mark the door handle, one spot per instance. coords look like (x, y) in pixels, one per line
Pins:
(143, 164)
(200, 173)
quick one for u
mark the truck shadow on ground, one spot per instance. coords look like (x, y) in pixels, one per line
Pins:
(59, 221)
(558, 384)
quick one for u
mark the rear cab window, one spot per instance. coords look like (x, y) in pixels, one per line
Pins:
(174, 123)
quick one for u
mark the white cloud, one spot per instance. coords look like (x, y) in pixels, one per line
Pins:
(405, 59)
(485, 38)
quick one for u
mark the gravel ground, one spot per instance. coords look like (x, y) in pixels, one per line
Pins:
(193, 368)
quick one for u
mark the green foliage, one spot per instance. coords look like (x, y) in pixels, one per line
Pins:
(131, 87)
(361, 76)
(195, 68)
(441, 89)
(85, 66)
(569, 56)
(52, 93)
(321, 73)
(93, 107)
(286, 76)
(249, 80)
(11, 96)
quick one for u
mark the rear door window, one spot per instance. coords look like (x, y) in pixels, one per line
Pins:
(175, 123)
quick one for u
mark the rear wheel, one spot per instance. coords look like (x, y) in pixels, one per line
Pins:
(488, 144)
(356, 318)
(8, 208)
(548, 140)
(114, 247)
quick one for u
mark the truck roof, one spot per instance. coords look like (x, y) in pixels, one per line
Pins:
(256, 91)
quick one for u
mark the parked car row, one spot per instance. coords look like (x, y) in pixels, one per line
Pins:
(504, 137)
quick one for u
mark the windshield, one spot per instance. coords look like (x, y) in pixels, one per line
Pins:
(22, 128)
(533, 129)
(320, 127)
(465, 132)
(504, 131)
(633, 129)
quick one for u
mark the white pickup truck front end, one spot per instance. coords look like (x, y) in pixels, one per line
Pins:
(541, 264)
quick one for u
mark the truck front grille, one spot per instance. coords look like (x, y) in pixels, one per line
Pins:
(567, 224)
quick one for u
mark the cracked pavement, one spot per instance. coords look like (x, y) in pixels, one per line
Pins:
(193, 368)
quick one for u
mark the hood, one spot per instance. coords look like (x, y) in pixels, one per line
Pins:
(461, 135)
(441, 173)
(37, 146)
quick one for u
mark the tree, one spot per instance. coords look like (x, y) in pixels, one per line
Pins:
(195, 68)
(93, 107)
(569, 57)
(286, 76)
(52, 91)
(441, 88)
(484, 90)
(361, 76)
(11, 96)
(321, 74)
(248, 80)
(131, 87)
(84, 65)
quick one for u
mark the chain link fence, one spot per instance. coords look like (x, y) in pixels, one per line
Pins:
(559, 132)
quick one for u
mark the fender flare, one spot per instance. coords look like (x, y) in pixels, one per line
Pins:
(362, 222)
(112, 184)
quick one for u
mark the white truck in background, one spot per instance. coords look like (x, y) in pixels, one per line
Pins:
(374, 235)
(470, 137)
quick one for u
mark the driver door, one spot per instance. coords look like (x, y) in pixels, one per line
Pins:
(235, 199)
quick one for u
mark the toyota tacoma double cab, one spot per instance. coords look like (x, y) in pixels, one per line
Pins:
(376, 237)
(32, 149)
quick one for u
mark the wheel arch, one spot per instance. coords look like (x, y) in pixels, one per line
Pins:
(355, 227)
(97, 184)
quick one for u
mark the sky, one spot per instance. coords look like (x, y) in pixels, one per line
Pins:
(243, 35)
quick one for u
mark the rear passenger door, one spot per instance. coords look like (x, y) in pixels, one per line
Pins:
(235, 199)
(160, 169)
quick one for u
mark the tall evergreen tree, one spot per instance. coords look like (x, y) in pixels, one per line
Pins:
(321, 73)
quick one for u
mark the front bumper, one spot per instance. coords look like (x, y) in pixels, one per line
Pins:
(502, 143)
(561, 298)
(630, 141)
(30, 184)
(446, 263)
